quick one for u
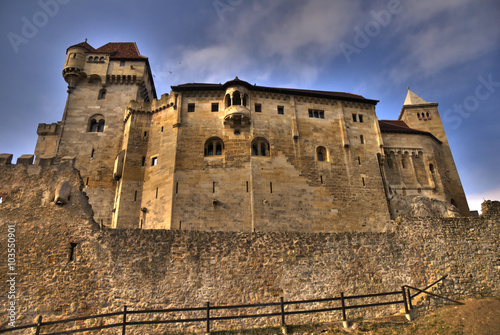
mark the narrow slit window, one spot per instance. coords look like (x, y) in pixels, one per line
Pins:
(360, 117)
(321, 179)
(87, 181)
(247, 186)
(359, 160)
(176, 188)
(135, 196)
(157, 193)
(362, 139)
(161, 129)
(72, 247)
(143, 161)
(213, 187)
(363, 180)
(92, 153)
(271, 187)
(354, 119)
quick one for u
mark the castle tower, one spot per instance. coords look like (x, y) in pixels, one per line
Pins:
(422, 115)
(101, 83)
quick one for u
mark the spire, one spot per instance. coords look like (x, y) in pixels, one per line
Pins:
(413, 99)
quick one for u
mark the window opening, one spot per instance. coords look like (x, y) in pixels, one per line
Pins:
(236, 98)
(154, 161)
(260, 147)
(92, 153)
(162, 129)
(72, 247)
(135, 196)
(359, 161)
(122, 63)
(145, 134)
(321, 179)
(215, 107)
(363, 180)
(247, 186)
(403, 163)
(157, 193)
(360, 117)
(87, 181)
(143, 161)
(431, 168)
(271, 187)
(281, 110)
(362, 139)
(214, 146)
(428, 116)
(354, 118)
(245, 98)
(176, 188)
(228, 100)
(418, 115)
(258, 108)
(213, 187)
(191, 108)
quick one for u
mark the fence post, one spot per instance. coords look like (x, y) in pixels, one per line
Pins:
(409, 298)
(124, 319)
(208, 317)
(344, 317)
(38, 325)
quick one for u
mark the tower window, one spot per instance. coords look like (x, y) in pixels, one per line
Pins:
(96, 124)
(260, 147)
(431, 168)
(214, 147)
(154, 161)
(102, 94)
(143, 161)
(360, 117)
(418, 115)
(281, 110)
(362, 139)
(321, 154)
(191, 108)
(101, 59)
(215, 107)
(354, 118)
(258, 108)
(428, 116)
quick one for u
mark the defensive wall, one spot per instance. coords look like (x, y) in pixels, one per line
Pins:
(66, 265)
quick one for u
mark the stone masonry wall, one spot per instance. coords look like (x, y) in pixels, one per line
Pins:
(166, 268)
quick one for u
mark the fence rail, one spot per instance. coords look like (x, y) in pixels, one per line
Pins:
(404, 297)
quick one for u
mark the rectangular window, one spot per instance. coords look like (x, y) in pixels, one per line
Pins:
(122, 63)
(354, 118)
(213, 187)
(271, 187)
(215, 107)
(190, 108)
(362, 139)
(176, 188)
(360, 118)
(247, 186)
(135, 196)
(363, 180)
(157, 193)
(316, 113)
(281, 110)
(145, 134)
(162, 129)
(258, 108)
(154, 161)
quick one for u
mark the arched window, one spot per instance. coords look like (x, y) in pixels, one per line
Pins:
(228, 100)
(418, 115)
(101, 59)
(236, 98)
(428, 116)
(214, 147)
(96, 124)
(260, 147)
(321, 154)
(102, 94)
(91, 59)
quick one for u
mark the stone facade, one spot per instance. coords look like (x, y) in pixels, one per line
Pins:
(241, 157)
(69, 266)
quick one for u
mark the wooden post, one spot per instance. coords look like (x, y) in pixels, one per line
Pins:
(409, 298)
(124, 319)
(344, 316)
(282, 312)
(38, 325)
(208, 317)
(403, 290)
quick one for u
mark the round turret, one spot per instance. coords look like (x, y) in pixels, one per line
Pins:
(74, 65)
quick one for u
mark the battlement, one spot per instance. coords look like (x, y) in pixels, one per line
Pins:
(489, 207)
(28, 159)
(153, 106)
(47, 129)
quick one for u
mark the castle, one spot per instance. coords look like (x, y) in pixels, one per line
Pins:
(242, 157)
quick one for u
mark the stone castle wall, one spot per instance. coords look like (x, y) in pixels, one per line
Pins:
(169, 268)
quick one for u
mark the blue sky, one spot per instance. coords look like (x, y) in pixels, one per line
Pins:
(447, 51)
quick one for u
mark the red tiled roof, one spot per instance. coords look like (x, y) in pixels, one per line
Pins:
(121, 50)
(117, 50)
(396, 126)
